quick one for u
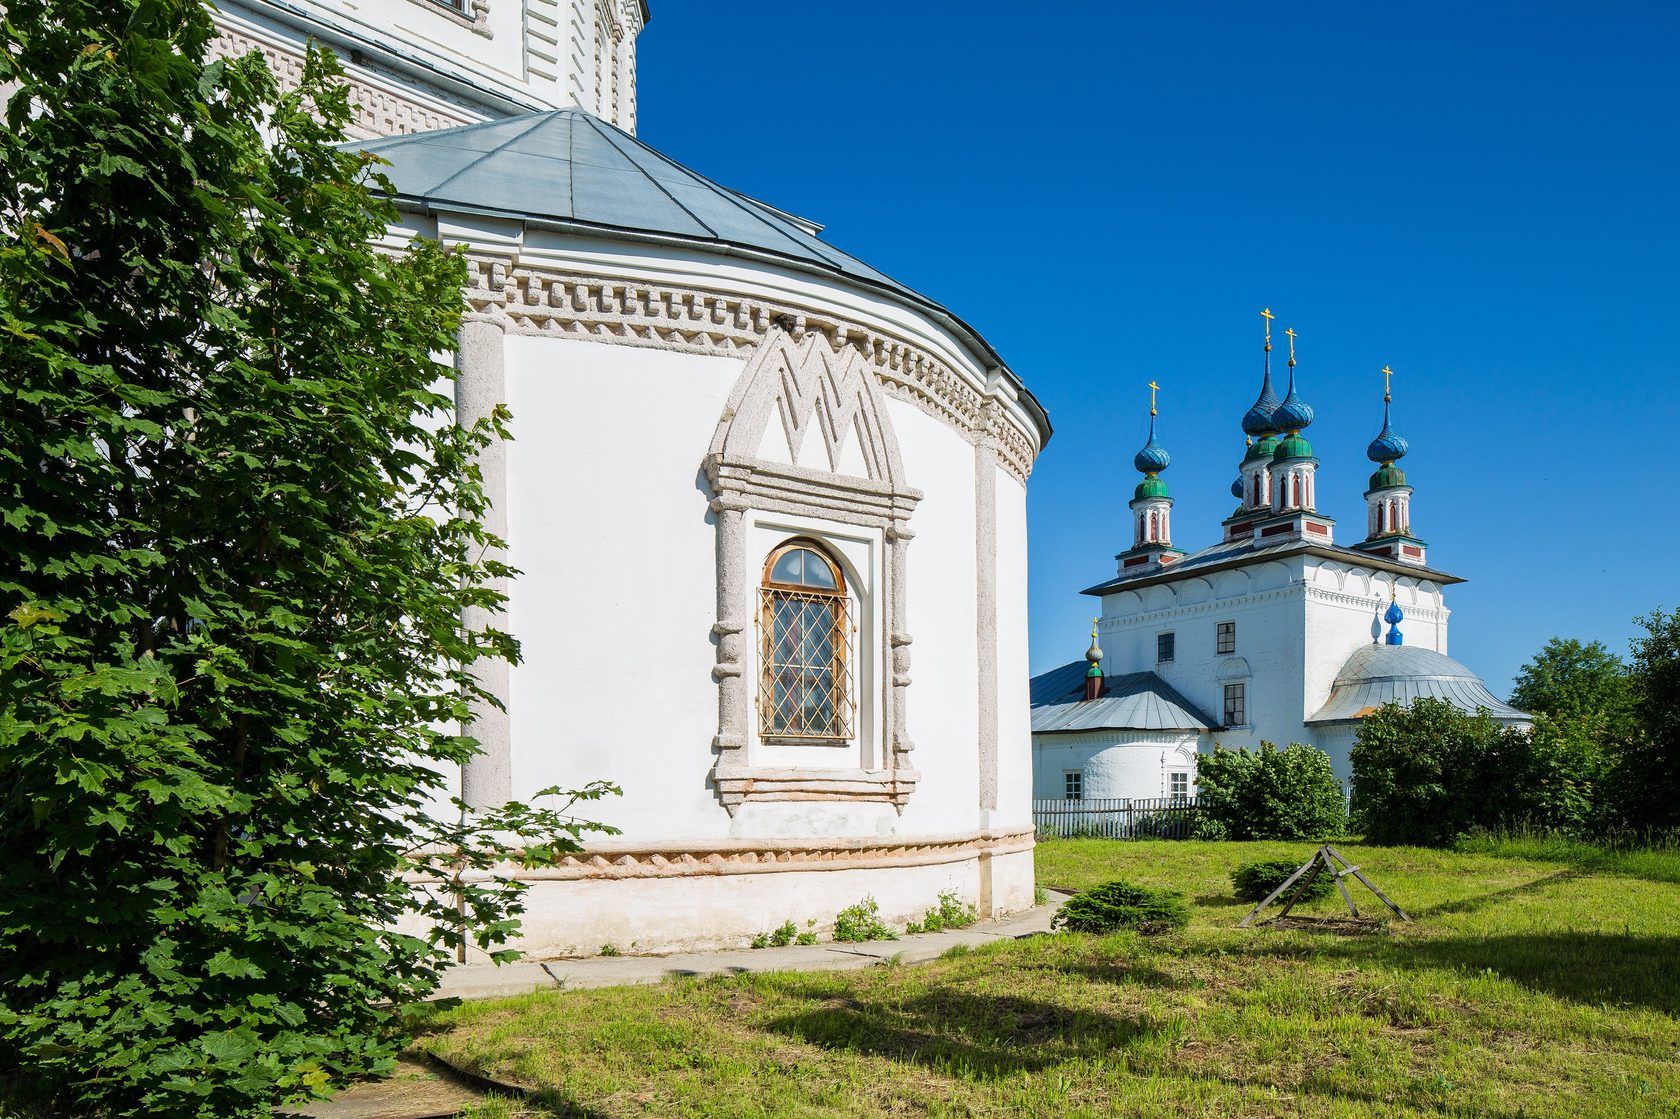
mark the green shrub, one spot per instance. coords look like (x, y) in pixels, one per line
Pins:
(1255, 881)
(1428, 773)
(950, 913)
(857, 923)
(1123, 905)
(1290, 793)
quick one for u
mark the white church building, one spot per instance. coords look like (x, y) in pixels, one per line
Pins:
(749, 475)
(1276, 633)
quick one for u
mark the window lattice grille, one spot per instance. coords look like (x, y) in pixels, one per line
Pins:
(805, 690)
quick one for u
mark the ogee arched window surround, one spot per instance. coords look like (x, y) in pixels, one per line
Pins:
(805, 647)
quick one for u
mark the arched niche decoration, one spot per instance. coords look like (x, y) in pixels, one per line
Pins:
(798, 387)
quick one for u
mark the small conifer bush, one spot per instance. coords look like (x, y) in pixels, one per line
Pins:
(1255, 881)
(1123, 905)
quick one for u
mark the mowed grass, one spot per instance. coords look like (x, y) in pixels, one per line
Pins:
(1536, 980)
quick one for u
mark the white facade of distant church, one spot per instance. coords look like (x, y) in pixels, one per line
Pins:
(768, 507)
(1274, 634)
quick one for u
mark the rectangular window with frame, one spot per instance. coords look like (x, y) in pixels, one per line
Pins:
(1165, 644)
(1178, 785)
(1226, 641)
(1236, 705)
(1073, 785)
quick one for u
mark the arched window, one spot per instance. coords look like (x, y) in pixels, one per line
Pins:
(805, 635)
(1298, 503)
(1255, 479)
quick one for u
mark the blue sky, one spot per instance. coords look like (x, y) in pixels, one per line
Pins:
(1484, 196)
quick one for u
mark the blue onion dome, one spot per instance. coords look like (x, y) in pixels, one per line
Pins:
(1292, 447)
(1389, 446)
(1153, 458)
(1257, 421)
(1394, 615)
(1237, 490)
(1294, 413)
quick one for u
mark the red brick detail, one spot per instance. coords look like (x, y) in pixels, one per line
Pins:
(1411, 551)
(1318, 528)
(1275, 530)
(1136, 561)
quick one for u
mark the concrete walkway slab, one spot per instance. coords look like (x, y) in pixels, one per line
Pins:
(487, 981)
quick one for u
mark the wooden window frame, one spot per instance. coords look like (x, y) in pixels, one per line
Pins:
(1171, 638)
(843, 726)
(1239, 692)
(1222, 647)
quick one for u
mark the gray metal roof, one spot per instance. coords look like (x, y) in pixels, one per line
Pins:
(1240, 553)
(1133, 701)
(569, 169)
(1379, 674)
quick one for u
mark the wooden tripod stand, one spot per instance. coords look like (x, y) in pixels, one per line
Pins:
(1324, 859)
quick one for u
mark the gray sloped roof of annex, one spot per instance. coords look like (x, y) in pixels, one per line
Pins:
(1379, 674)
(1131, 701)
(568, 169)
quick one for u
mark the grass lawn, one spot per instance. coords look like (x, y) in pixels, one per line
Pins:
(1537, 980)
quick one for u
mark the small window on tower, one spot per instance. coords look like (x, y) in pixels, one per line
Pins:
(1236, 705)
(1227, 638)
(1164, 643)
(1073, 785)
(1178, 785)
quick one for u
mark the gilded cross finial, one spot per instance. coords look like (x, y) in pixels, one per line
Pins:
(1153, 389)
(1266, 313)
(1094, 628)
(1387, 373)
(1292, 336)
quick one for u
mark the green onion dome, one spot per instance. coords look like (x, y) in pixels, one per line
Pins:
(1292, 447)
(1387, 477)
(1261, 448)
(1151, 486)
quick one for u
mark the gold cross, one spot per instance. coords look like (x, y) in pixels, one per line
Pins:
(1292, 336)
(1268, 316)
(1387, 373)
(1153, 389)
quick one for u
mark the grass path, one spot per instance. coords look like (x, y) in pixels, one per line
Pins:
(1534, 984)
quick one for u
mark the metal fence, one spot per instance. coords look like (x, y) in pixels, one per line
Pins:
(1163, 818)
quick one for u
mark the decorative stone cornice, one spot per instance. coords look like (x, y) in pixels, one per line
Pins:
(377, 111)
(561, 304)
(769, 856)
(744, 783)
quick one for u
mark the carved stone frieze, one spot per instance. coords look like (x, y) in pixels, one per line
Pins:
(771, 856)
(691, 320)
(378, 112)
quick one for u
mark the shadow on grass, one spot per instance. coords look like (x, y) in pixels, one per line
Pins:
(1590, 968)
(1482, 901)
(954, 1032)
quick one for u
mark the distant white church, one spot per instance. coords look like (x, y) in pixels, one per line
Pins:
(750, 475)
(1276, 633)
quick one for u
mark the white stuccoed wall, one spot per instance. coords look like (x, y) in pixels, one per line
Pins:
(614, 603)
(943, 716)
(1114, 764)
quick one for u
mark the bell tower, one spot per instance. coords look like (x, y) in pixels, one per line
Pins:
(420, 65)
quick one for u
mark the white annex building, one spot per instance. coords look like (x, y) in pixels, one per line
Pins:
(749, 475)
(1276, 633)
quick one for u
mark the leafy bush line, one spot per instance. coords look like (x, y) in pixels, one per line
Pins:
(949, 913)
(1123, 905)
(1255, 881)
(779, 937)
(858, 923)
(1290, 793)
